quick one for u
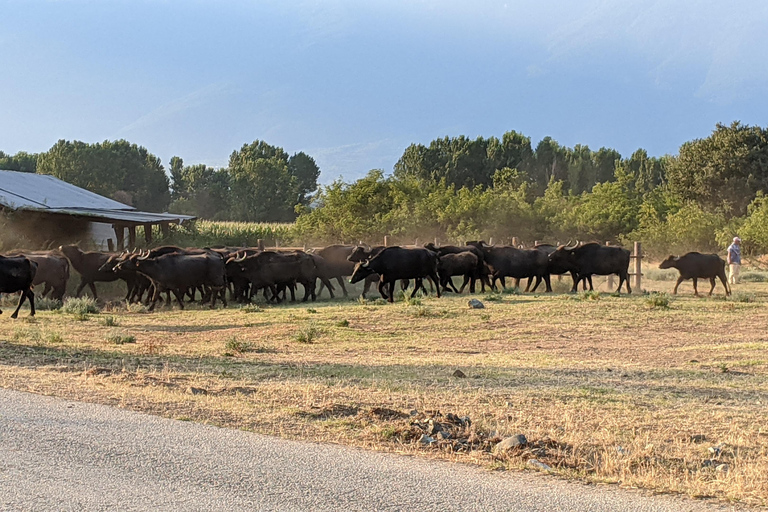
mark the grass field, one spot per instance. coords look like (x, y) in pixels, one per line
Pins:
(650, 391)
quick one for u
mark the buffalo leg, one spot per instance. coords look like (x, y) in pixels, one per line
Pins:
(723, 279)
(80, 288)
(340, 280)
(625, 276)
(327, 283)
(22, 298)
(433, 277)
(547, 281)
(391, 297)
(679, 280)
(712, 281)
(179, 298)
(453, 286)
(92, 286)
(695, 287)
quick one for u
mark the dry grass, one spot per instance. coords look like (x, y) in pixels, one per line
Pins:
(607, 390)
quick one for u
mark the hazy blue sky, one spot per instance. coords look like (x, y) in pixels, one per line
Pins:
(352, 83)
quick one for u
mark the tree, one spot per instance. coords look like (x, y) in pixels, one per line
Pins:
(724, 171)
(200, 190)
(21, 161)
(262, 188)
(303, 167)
(109, 167)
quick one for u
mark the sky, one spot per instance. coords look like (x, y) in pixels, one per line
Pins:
(353, 83)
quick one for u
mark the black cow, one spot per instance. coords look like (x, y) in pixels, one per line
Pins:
(395, 263)
(508, 261)
(52, 269)
(694, 265)
(87, 265)
(275, 270)
(16, 275)
(338, 264)
(480, 270)
(178, 272)
(457, 264)
(593, 259)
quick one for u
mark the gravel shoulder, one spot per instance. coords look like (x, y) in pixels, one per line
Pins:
(62, 455)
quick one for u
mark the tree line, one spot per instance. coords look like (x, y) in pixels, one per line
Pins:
(457, 188)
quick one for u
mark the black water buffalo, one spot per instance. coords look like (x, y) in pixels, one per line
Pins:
(52, 270)
(457, 264)
(396, 263)
(362, 253)
(593, 259)
(694, 265)
(508, 261)
(276, 270)
(480, 270)
(16, 275)
(178, 272)
(87, 265)
(338, 264)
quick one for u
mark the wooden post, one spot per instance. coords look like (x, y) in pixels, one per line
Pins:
(110, 245)
(515, 241)
(120, 236)
(490, 241)
(260, 244)
(386, 240)
(638, 257)
(166, 229)
(416, 243)
(436, 243)
(131, 237)
(148, 233)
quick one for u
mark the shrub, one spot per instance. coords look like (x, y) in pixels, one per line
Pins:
(342, 323)
(80, 307)
(307, 334)
(54, 337)
(119, 338)
(47, 304)
(754, 277)
(494, 297)
(237, 346)
(658, 300)
(110, 321)
(742, 297)
(588, 295)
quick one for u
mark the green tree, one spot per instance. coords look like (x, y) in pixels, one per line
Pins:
(306, 172)
(110, 168)
(723, 171)
(200, 190)
(21, 161)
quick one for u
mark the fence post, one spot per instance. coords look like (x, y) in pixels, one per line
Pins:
(416, 243)
(490, 241)
(260, 244)
(386, 240)
(638, 257)
(436, 243)
(515, 241)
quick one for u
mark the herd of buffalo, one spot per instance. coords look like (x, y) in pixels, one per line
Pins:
(244, 272)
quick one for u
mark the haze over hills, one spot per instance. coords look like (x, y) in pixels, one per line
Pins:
(353, 84)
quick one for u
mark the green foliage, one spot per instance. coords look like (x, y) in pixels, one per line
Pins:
(266, 185)
(588, 295)
(21, 161)
(80, 306)
(117, 169)
(342, 323)
(120, 338)
(238, 346)
(743, 297)
(47, 304)
(658, 300)
(724, 171)
(199, 190)
(307, 334)
(203, 233)
(110, 321)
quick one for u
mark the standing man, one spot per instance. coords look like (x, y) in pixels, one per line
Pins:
(734, 260)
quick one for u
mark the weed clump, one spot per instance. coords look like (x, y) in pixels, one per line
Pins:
(494, 297)
(120, 338)
(80, 306)
(110, 321)
(658, 300)
(47, 304)
(307, 334)
(342, 323)
(238, 346)
(251, 308)
(742, 297)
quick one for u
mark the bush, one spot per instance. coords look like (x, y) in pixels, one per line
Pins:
(658, 300)
(307, 334)
(110, 321)
(588, 295)
(742, 297)
(657, 274)
(47, 304)
(119, 338)
(754, 277)
(237, 346)
(80, 307)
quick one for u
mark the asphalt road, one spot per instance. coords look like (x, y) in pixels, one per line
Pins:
(62, 455)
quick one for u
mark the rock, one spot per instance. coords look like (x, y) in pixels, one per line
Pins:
(442, 435)
(698, 438)
(510, 442)
(722, 468)
(460, 374)
(539, 465)
(476, 304)
(425, 439)
(413, 412)
(191, 390)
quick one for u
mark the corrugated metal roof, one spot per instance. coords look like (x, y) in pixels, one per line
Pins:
(23, 189)
(135, 216)
(44, 193)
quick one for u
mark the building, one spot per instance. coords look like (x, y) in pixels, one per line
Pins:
(47, 211)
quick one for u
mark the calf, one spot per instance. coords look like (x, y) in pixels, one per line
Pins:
(694, 265)
(16, 275)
